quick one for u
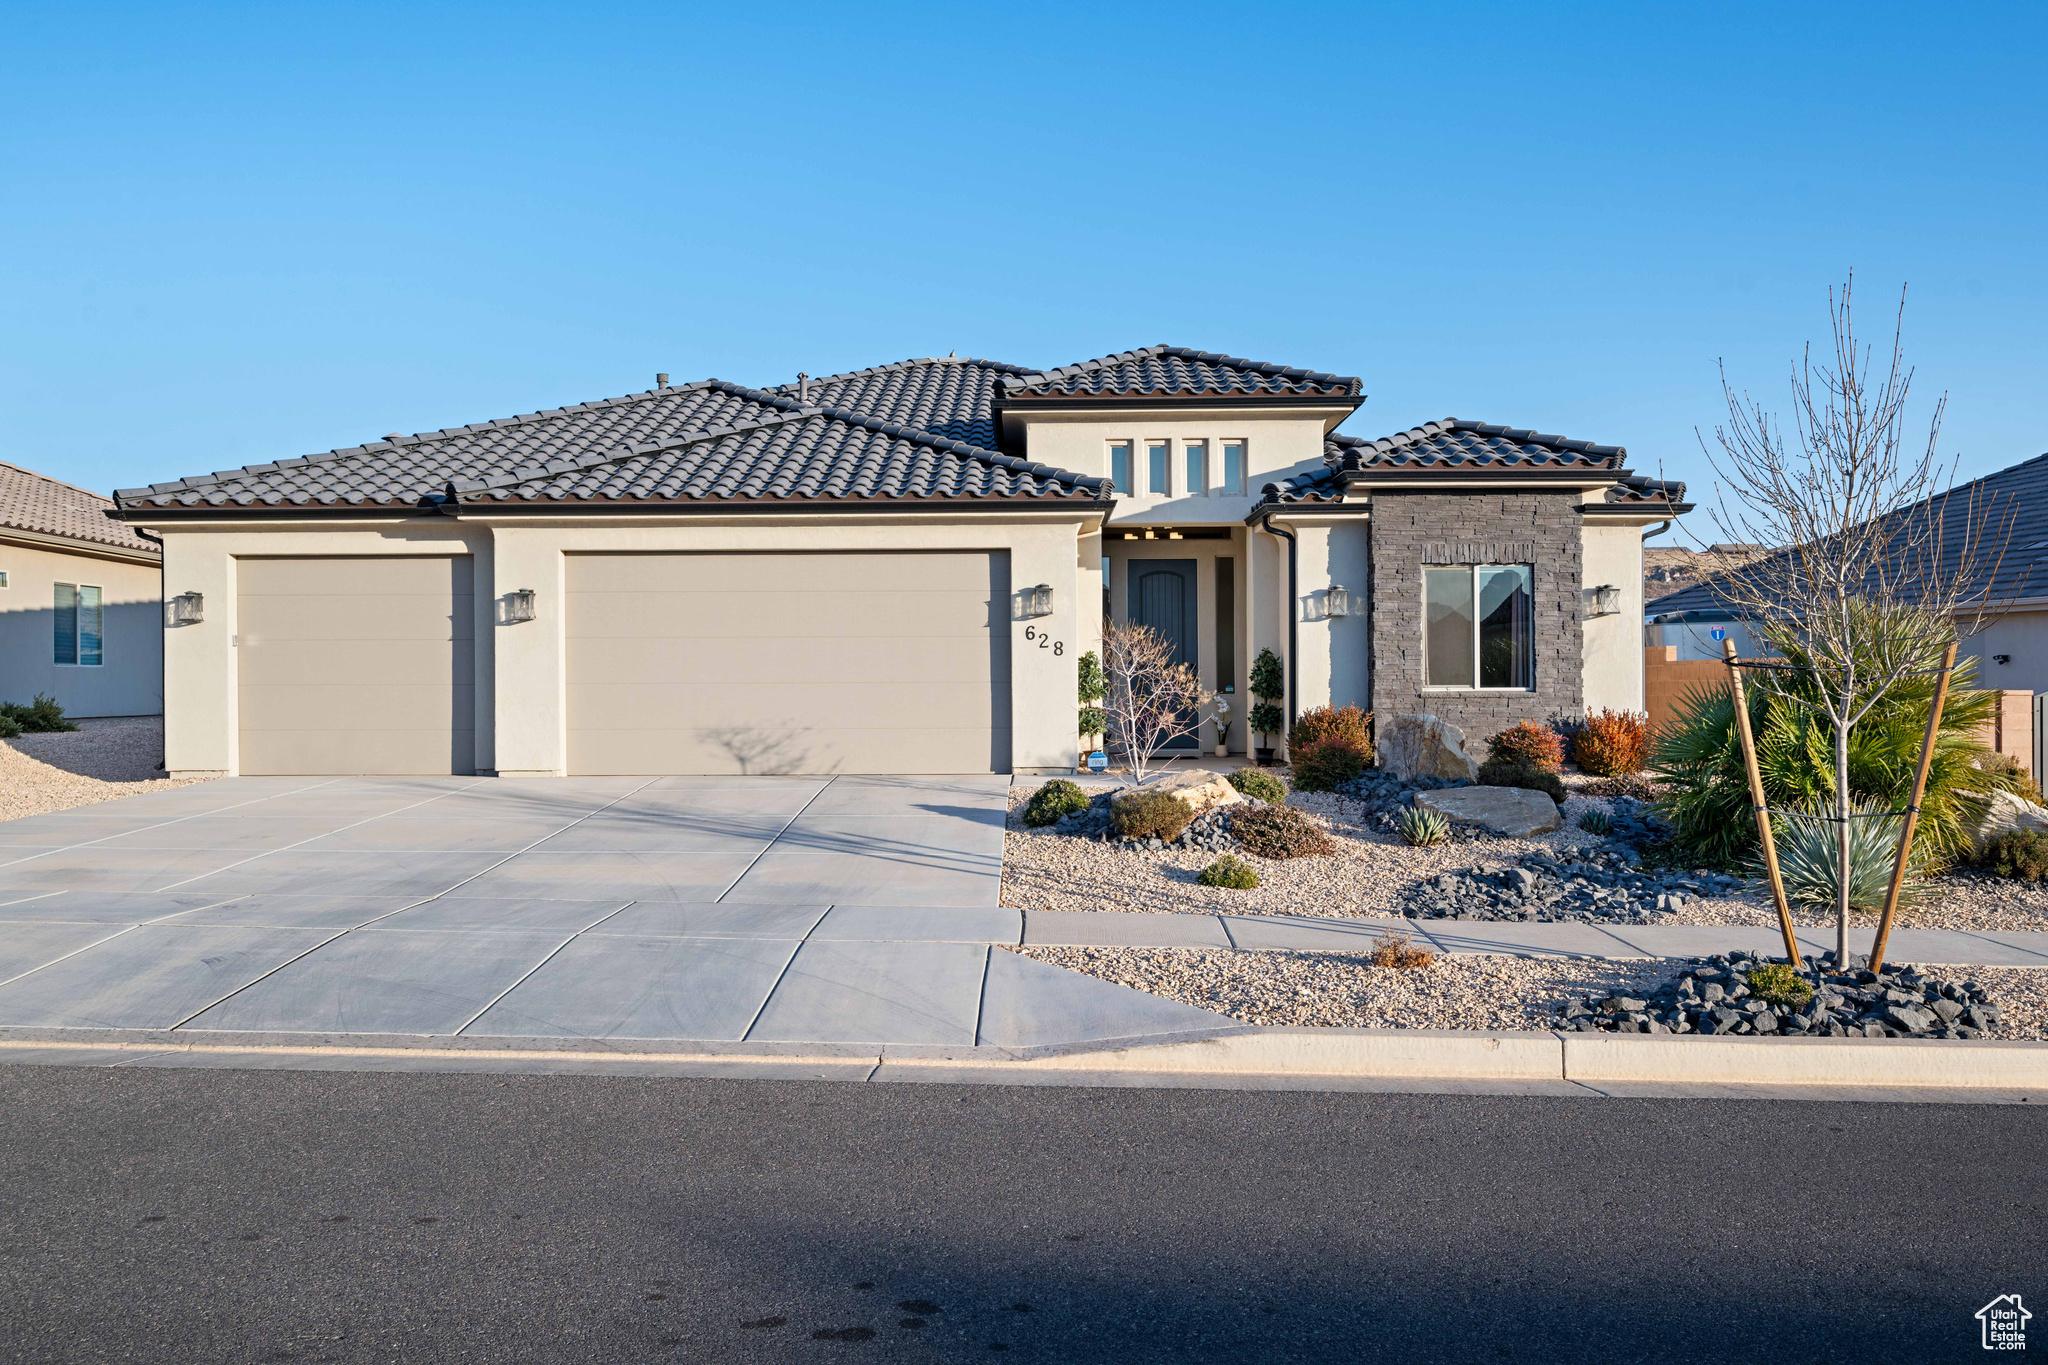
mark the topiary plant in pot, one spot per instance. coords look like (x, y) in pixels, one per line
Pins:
(1269, 685)
(1093, 687)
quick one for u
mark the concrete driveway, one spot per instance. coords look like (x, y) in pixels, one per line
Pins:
(850, 910)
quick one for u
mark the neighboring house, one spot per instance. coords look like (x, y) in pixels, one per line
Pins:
(892, 570)
(80, 601)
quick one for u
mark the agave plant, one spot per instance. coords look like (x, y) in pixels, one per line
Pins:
(1596, 822)
(1807, 861)
(1697, 757)
(1422, 827)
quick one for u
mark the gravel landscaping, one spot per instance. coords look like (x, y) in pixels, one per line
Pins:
(1373, 873)
(1763, 996)
(1462, 992)
(100, 761)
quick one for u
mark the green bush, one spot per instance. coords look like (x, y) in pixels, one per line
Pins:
(2020, 853)
(1696, 758)
(1504, 773)
(1422, 827)
(1259, 785)
(1529, 745)
(1327, 764)
(1230, 872)
(9, 726)
(1808, 858)
(1775, 983)
(1278, 832)
(1150, 815)
(1055, 801)
(40, 717)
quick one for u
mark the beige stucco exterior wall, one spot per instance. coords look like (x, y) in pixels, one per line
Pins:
(1334, 652)
(521, 713)
(2022, 636)
(129, 679)
(1276, 447)
(1614, 644)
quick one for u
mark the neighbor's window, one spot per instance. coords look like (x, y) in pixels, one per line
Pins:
(1233, 468)
(78, 624)
(1197, 453)
(1476, 629)
(1156, 457)
(1120, 466)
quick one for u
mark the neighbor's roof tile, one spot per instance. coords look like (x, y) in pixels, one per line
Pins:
(36, 502)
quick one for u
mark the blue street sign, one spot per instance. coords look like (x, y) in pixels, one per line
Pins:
(1718, 634)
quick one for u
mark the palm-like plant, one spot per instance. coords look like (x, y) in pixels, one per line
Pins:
(1706, 794)
(1808, 858)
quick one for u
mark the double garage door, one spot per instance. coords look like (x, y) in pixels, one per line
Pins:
(675, 663)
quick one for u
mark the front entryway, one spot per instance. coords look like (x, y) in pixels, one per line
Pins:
(1162, 597)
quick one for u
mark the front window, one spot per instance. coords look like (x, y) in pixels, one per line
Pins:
(78, 624)
(1477, 626)
(1198, 467)
(1157, 455)
(1233, 468)
(1120, 466)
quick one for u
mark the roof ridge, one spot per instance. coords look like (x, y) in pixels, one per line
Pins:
(913, 361)
(1521, 435)
(220, 476)
(1181, 353)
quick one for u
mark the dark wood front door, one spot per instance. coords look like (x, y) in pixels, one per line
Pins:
(1162, 596)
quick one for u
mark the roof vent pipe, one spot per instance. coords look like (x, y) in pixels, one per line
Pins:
(660, 381)
(803, 387)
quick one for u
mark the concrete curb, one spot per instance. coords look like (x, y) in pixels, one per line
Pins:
(1307, 1054)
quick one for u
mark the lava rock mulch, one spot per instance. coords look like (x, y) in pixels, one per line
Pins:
(1714, 997)
(1592, 884)
(1384, 796)
(1209, 831)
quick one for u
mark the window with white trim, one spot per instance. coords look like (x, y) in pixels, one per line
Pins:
(78, 624)
(1158, 459)
(1233, 469)
(1120, 466)
(1196, 454)
(1478, 626)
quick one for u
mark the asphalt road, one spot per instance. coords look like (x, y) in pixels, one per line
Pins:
(200, 1216)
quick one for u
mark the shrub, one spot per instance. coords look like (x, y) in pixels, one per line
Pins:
(9, 726)
(1632, 786)
(1612, 743)
(1269, 685)
(1807, 859)
(1278, 832)
(1150, 815)
(1055, 801)
(1775, 983)
(1502, 773)
(2023, 784)
(1596, 822)
(1422, 827)
(1230, 872)
(40, 717)
(1528, 744)
(1260, 786)
(1092, 687)
(1327, 764)
(1696, 759)
(1393, 949)
(1333, 722)
(2020, 853)
(1266, 718)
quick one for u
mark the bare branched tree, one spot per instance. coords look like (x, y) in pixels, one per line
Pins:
(1873, 566)
(1151, 700)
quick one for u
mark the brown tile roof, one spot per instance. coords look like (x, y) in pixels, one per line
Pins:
(36, 502)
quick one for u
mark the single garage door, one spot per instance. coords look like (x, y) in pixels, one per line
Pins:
(357, 665)
(789, 663)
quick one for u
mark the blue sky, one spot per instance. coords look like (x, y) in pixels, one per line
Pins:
(235, 235)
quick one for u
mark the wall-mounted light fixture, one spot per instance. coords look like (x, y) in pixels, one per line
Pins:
(188, 609)
(2001, 658)
(1606, 600)
(1037, 601)
(1337, 601)
(518, 606)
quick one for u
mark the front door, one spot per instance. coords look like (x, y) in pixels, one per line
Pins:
(1162, 595)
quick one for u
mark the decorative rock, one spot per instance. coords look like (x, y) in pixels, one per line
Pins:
(2006, 812)
(1511, 811)
(1414, 745)
(1198, 789)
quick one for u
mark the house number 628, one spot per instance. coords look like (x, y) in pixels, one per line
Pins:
(1045, 641)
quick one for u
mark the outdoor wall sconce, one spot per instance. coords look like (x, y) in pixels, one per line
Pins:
(1606, 600)
(1337, 601)
(1038, 600)
(518, 606)
(188, 609)
(2001, 658)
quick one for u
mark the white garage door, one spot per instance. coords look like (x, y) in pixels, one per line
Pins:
(789, 663)
(356, 665)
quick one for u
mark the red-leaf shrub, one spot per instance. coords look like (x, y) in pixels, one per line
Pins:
(1528, 745)
(1324, 765)
(1333, 722)
(1612, 743)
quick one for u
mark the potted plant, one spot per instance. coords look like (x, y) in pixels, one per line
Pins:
(1093, 687)
(1269, 685)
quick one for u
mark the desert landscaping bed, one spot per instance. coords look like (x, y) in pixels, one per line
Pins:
(1345, 990)
(102, 760)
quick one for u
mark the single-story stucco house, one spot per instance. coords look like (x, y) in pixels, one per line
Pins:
(81, 601)
(892, 570)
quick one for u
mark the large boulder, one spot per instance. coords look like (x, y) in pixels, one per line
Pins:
(1514, 811)
(2006, 812)
(1197, 788)
(1412, 745)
